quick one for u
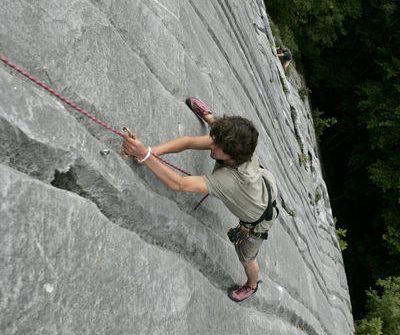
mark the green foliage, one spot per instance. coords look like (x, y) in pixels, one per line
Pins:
(283, 33)
(349, 52)
(385, 174)
(383, 315)
(381, 111)
(369, 327)
(380, 105)
(341, 234)
(392, 238)
(320, 124)
(303, 159)
(304, 92)
(289, 39)
(391, 217)
(316, 23)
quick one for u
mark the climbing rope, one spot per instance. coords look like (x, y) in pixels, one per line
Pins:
(59, 96)
(84, 112)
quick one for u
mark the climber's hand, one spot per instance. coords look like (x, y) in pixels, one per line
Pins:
(132, 146)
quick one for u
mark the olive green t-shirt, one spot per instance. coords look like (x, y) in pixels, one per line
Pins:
(243, 190)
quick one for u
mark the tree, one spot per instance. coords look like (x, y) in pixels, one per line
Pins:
(350, 54)
(314, 24)
(383, 317)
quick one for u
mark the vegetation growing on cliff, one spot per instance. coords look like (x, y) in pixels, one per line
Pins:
(349, 52)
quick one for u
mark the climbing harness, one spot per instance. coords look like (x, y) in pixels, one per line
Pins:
(86, 113)
(242, 231)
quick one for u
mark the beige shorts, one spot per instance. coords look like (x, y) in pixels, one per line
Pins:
(248, 250)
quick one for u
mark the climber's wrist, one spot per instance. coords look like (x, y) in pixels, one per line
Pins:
(146, 156)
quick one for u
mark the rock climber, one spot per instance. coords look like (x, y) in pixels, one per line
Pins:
(245, 188)
(285, 56)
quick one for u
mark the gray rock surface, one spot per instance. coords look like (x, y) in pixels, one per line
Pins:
(114, 251)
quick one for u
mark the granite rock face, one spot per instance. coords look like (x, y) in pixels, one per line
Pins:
(93, 244)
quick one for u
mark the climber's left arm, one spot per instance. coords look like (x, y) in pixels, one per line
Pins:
(176, 182)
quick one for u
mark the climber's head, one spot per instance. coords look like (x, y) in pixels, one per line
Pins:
(234, 136)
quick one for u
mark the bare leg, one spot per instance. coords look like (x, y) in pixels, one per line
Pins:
(252, 269)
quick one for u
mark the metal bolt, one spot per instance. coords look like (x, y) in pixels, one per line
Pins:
(104, 152)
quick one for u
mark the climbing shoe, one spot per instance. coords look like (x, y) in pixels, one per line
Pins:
(199, 108)
(242, 293)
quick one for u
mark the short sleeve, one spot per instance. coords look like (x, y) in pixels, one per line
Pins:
(218, 183)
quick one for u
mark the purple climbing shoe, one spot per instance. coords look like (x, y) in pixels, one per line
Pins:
(242, 293)
(199, 108)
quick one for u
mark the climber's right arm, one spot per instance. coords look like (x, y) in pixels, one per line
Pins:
(183, 143)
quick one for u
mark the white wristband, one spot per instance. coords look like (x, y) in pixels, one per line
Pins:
(140, 161)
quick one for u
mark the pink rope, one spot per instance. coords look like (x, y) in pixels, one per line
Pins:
(82, 111)
(59, 96)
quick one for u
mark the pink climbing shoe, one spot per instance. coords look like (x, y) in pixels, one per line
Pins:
(242, 293)
(199, 108)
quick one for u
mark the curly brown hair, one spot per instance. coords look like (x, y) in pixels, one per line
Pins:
(236, 136)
